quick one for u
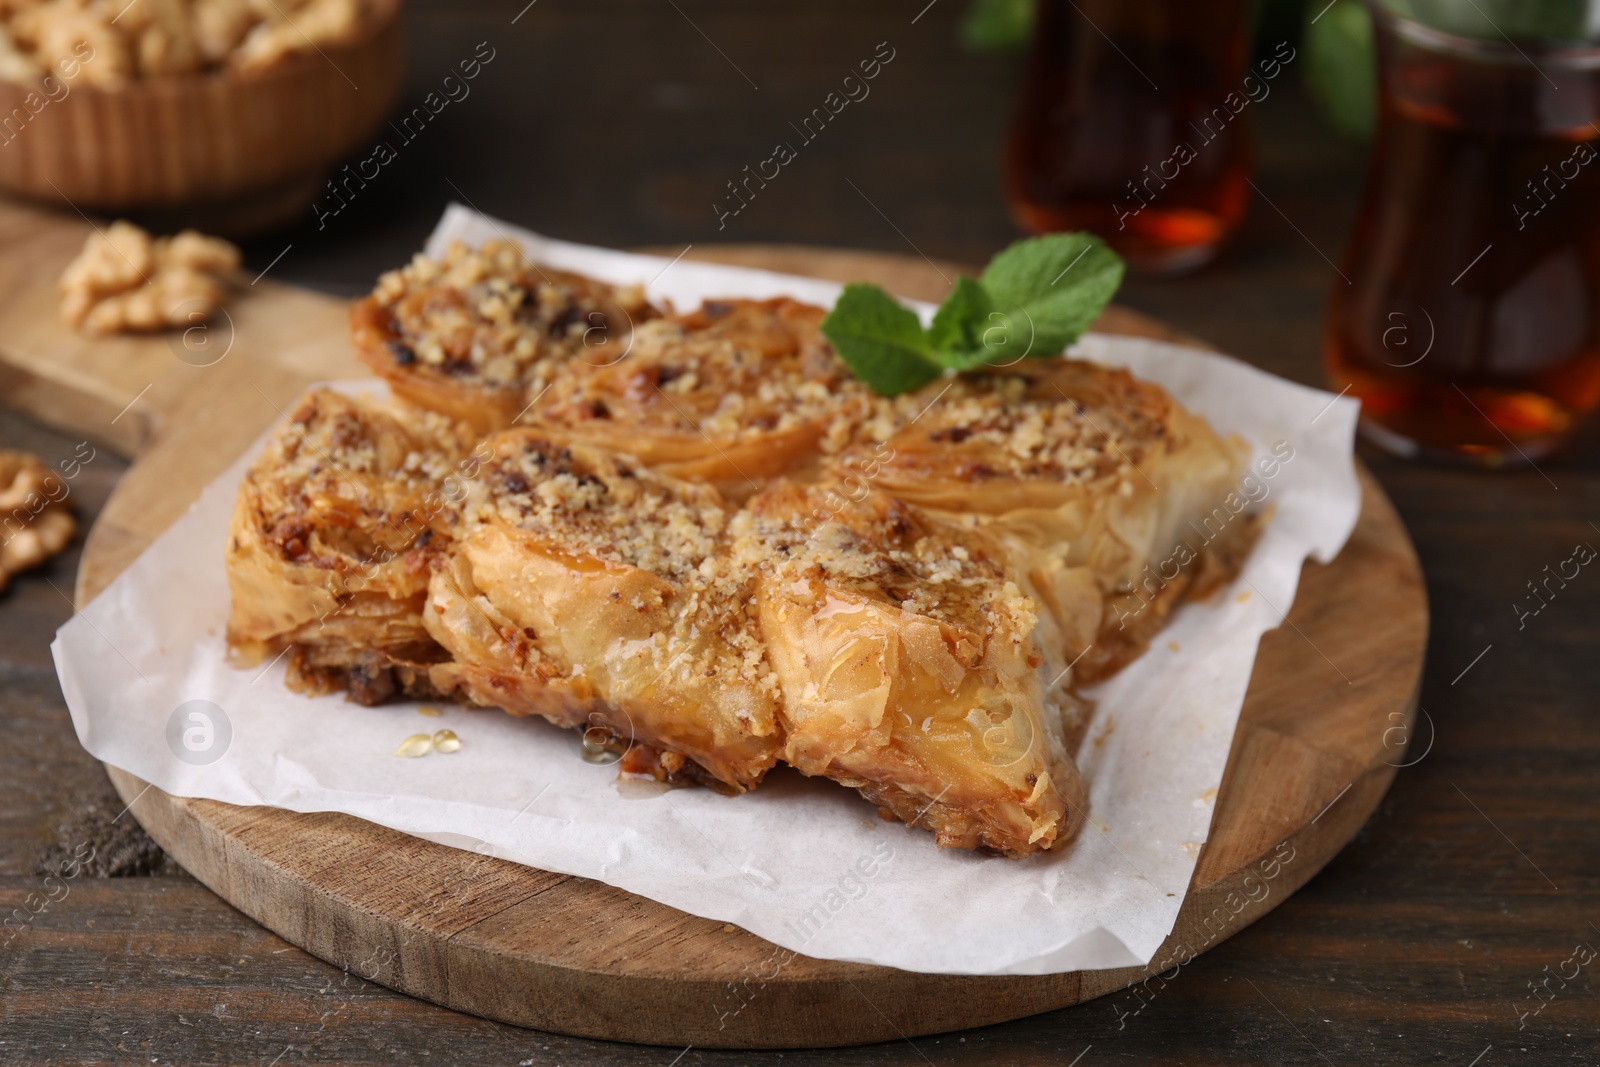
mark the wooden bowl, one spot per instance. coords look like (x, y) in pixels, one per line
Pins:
(260, 138)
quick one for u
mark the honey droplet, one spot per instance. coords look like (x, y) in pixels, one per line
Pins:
(446, 741)
(414, 746)
(432, 713)
(593, 747)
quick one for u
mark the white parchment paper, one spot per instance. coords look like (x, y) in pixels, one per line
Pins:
(803, 863)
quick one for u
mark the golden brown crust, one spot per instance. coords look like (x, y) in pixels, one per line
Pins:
(732, 394)
(590, 590)
(711, 549)
(909, 667)
(1086, 474)
(334, 532)
(481, 332)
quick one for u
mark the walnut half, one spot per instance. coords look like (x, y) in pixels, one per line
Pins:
(36, 522)
(124, 280)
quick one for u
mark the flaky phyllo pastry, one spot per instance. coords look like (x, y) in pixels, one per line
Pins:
(333, 538)
(1089, 477)
(588, 589)
(709, 547)
(732, 394)
(483, 332)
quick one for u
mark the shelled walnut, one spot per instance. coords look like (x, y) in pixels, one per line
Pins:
(110, 42)
(124, 280)
(36, 522)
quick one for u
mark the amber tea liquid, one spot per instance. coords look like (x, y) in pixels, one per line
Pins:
(1468, 324)
(1125, 127)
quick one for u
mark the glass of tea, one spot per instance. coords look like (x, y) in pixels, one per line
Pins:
(1134, 123)
(1466, 317)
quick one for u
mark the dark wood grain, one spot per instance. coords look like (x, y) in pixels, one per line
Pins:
(1415, 945)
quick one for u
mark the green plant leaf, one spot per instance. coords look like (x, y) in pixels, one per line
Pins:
(960, 321)
(1034, 299)
(1049, 291)
(881, 342)
(997, 25)
(1341, 69)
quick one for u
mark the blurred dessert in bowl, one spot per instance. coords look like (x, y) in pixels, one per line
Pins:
(210, 109)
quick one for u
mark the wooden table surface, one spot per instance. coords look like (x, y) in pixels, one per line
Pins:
(618, 123)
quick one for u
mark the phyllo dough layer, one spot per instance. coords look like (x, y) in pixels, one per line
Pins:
(330, 550)
(909, 667)
(482, 332)
(1089, 477)
(732, 394)
(710, 548)
(596, 593)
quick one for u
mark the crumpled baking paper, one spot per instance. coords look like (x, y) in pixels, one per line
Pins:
(803, 863)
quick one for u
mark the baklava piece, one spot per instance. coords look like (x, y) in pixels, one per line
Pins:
(1102, 488)
(332, 540)
(909, 668)
(591, 591)
(732, 394)
(481, 333)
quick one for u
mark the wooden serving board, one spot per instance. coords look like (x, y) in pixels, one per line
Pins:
(1313, 755)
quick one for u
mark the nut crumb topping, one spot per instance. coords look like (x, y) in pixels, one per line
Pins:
(887, 550)
(732, 370)
(588, 502)
(1063, 420)
(491, 314)
(348, 483)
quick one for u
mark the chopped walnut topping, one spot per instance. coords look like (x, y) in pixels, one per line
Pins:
(348, 482)
(605, 506)
(1064, 421)
(125, 280)
(888, 550)
(490, 314)
(731, 370)
(594, 503)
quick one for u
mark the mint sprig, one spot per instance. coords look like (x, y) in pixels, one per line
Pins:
(1031, 302)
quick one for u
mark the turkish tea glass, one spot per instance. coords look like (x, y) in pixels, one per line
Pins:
(1133, 123)
(1465, 314)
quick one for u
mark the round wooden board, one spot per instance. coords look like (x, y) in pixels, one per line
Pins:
(1318, 742)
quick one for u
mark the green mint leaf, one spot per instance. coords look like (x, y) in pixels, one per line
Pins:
(997, 25)
(880, 341)
(1034, 299)
(961, 319)
(1341, 69)
(968, 359)
(1049, 290)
